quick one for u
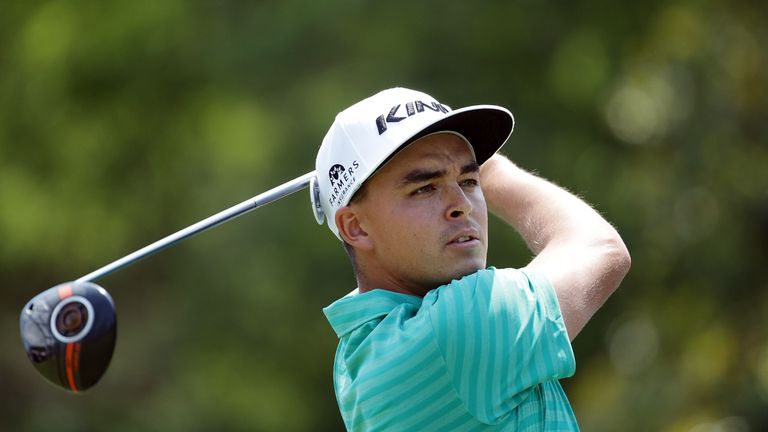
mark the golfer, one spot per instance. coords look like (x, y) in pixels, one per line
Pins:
(432, 339)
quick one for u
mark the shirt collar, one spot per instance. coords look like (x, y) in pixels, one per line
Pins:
(356, 309)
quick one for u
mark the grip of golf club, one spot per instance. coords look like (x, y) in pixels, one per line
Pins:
(262, 199)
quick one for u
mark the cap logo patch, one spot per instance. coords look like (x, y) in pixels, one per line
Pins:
(342, 180)
(335, 172)
(411, 108)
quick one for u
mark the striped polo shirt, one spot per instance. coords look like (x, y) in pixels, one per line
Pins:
(483, 353)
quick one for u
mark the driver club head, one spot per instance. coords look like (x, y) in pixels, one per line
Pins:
(69, 334)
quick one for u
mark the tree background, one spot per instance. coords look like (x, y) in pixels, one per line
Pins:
(124, 121)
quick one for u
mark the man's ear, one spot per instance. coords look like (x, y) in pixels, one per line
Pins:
(351, 228)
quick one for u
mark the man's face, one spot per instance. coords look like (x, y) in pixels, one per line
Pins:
(425, 215)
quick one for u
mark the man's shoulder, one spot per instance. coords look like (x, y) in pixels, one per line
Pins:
(503, 296)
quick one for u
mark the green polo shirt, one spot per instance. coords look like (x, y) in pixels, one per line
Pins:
(483, 353)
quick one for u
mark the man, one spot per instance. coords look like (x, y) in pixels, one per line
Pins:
(431, 339)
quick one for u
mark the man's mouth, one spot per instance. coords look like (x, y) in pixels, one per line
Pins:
(466, 237)
(463, 239)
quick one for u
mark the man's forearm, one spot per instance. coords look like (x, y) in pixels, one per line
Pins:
(580, 253)
(539, 210)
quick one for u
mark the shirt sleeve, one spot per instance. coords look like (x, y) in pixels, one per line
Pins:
(501, 333)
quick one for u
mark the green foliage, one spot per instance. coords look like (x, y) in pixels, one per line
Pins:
(123, 121)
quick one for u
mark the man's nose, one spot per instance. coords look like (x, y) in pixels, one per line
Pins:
(459, 204)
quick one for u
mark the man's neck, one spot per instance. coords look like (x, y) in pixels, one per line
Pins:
(365, 284)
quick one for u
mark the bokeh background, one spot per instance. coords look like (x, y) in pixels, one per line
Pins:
(124, 121)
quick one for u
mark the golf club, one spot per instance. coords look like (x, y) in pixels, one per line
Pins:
(69, 331)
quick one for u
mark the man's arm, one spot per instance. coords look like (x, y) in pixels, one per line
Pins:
(580, 253)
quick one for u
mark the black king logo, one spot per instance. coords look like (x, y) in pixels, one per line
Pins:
(411, 108)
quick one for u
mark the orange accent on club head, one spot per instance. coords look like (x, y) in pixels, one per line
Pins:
(65, 291)
(72, 364)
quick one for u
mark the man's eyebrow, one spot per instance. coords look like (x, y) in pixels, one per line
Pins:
(421, 176)
(471, 167)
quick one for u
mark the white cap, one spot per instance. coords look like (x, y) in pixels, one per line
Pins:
(369, 133)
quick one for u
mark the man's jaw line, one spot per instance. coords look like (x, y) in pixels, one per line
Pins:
(398, 284)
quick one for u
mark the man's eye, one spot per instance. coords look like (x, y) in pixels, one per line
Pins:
(424, 189)
(470, 182)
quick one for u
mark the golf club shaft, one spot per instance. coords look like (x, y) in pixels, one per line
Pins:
(267, 197)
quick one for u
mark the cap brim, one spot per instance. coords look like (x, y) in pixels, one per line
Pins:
(486, 127)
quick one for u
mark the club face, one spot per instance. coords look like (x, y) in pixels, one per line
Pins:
(69, 334)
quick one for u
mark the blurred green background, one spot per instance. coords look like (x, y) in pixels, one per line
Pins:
(124, 121)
